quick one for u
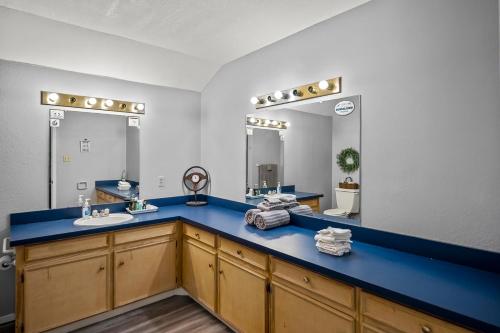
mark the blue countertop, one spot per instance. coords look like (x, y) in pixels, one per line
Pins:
(110, 187)
(456, 293)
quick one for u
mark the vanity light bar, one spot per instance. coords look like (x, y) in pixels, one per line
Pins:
(92, 103)
(307, 91)
(267, 123)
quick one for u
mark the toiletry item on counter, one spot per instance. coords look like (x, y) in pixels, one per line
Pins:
(271, 219)
(250, 215)
(334, 241)
(147, 209)
(264, 184)
(302, 210)
(278, 188)
(86, 209)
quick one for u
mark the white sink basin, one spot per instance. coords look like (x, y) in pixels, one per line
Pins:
(115, 218)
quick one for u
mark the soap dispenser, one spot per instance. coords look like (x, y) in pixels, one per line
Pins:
(86, 209)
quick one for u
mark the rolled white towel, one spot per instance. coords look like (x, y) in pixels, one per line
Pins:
(250, 215)
(271, 219)
(301, 209)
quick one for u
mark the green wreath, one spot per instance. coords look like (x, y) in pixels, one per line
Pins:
(348, 160)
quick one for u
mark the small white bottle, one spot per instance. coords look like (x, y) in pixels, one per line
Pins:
(86, 209)
(264, 184)
(278, 188)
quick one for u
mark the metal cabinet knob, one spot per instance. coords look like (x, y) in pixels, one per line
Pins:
(426, 329)
(121, 263)
(220, 272)
(306, 279)
(101, 268)
(197, 235)
(239, 252)
(210, 265)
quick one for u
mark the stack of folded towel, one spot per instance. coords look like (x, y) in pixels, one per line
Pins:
(123, 185)
(274, 211)
(334, 241)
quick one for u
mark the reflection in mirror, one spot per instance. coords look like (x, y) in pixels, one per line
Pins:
(93, 156)
(316, 157)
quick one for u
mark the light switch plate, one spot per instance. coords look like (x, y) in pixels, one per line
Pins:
(56, 114)
(82, 185)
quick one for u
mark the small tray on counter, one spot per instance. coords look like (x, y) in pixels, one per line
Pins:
(149, 209)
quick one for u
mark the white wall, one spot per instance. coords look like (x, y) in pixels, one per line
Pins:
(263, 147)
(428, 75)
(105, 161)
(169, 138)
(41, 41)
(133, 153)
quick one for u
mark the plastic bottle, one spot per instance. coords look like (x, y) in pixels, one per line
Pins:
(278, 188)
(86, 209)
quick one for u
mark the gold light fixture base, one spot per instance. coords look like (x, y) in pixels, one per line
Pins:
(300, 93)
(91, 103)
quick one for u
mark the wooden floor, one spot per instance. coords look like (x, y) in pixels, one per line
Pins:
(175, 314)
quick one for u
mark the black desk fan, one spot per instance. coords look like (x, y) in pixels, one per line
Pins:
(196, 179)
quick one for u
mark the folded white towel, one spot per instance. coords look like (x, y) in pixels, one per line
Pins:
(335, 232)
(332, 239)
(123, 188)
(123, 183)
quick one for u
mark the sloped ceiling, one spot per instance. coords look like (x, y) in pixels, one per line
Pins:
(209, 32)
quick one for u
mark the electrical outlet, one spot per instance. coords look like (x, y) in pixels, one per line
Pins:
(56, 114)
(66, 158)
(161, 181)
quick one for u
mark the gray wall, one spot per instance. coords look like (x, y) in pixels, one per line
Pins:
(263, 147)
(133, 153)
(106, 159)
(169, 132)
(428, 75)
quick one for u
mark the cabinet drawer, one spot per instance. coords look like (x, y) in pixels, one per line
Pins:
(199, 234)
(64, 247)
(244, 253)
(133, 235)
(335, 291)
(381, 311)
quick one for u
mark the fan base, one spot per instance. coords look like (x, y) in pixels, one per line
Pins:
(196, 203)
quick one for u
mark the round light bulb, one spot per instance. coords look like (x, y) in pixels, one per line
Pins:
(53, 97)
(287, 124)
(323, 85)
(254, 100)
(252, 120)
(274, 123)
(139, 107)
(278, 94)
(109, 103)
(267, 122)
(91, 101)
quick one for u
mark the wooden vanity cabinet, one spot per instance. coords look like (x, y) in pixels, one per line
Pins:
(199, 271)
(103, 197)
(60, 284)
(313, 203)
(304, 301)
(243, 287)
(144, 262)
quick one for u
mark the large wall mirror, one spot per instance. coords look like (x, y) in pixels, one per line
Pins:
(311, 150)
(93, 156)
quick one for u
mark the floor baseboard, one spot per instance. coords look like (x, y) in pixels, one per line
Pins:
(7, 318)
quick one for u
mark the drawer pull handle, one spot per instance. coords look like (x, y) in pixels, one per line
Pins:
(121, 263)
(426, 329)
(210, 265)
(221, 271)
(101, 268)
(306, 279)
(239, 252)
(197, 235)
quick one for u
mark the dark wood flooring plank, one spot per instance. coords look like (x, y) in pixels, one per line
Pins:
(177, 314)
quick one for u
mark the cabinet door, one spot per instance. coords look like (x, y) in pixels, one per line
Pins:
(144, 271)
(198, 272)
(62, 293)
(242, 297)
(294, 312)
